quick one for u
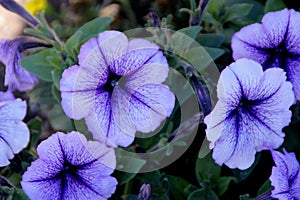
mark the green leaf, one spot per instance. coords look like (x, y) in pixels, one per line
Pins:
(38, 64)
(245, 197)
(237, 11)
(35, 127)
(223, 183)
(214, 52)
(184, 39)
(265, 187)
(210, 39)
(198, 57)
(274, 5)
(215, 7)
(190, 189)
(152, 178)
(56, 75)
(177, 187)
(58, 119)
(192, 31)
(206, 194)
(124, 177)
(56, 93)
(243, 174)
(87, 31)
(12, 193)
(15, 179)
(193, 5)
(207, 170)
(128, 164)
(42, 94)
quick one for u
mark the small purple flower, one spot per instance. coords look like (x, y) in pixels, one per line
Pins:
(253, 108)
(117, 88)
(70, 167)
(285, 176)
(14, 134)
(145, 192)
(274, 43)
(16, 78)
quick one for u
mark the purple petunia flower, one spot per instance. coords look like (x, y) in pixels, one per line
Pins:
(285, 176)
(117, 88)
(70, 167)
(274, 43)
(16, 78)
(14, 134)
(253, 108)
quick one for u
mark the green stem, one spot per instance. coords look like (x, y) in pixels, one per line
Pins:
(128, 187)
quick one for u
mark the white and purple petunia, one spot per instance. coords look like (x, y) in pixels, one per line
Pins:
(252, 109)
(16, 78)
(273, 43)
(14, 134)
(285, 177)
(117, 88)
(70, 167)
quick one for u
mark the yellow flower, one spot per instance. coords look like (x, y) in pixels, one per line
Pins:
(35, 6)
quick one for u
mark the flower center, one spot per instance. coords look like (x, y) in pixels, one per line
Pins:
(112, 81)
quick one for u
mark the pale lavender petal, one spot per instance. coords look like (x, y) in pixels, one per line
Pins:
(6, 96)
(155, 71)
(275, 26)
(285, 177)
(241, 78)
(292, 37)
(139, 52)
(92, 62)
(16, 78)
(14, 134)
(78, 91)
(150, 105)
(72, 167)
(251, 42)
(103, 125)
(253, 108)
(37, 189)
(293, 71)
(215, 122)
(112, 45)
(120, 106)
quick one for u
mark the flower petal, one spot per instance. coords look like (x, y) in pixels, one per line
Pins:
(253, 108)
(293, 71)
(155, 71)
(250, 42)
(78, 91)
(292, 38)
(285, 175)
(107, 41)
(139, 52)
(241, 78)
(103, 126)
(93, 62)
(150, 105)
(275, 26)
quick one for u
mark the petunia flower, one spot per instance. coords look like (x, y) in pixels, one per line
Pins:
(252, 109)
(273, 43)
(16, 78)
(70, 167)
(285, 177)
(14, 134)
(117, 88)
